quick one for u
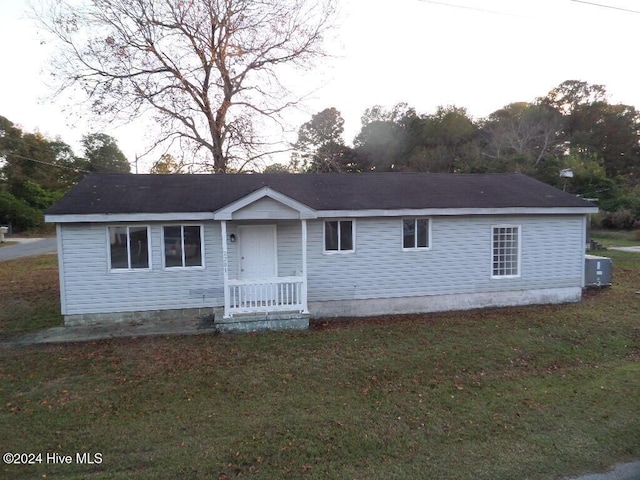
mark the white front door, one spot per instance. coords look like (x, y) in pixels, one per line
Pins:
(258, 252)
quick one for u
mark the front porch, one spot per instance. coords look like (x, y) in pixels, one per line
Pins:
(264, 258)
(280, 294)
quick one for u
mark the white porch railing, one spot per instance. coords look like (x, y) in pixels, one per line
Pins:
(267, 295)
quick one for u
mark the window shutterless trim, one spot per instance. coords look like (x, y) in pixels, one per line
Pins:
(129, 268)
(415, 234)
(184, 265)
(353, 237)
(498, 262)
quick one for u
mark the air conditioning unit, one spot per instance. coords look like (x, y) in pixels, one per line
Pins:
(597, 271)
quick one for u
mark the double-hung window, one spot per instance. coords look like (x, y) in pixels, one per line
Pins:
(339, 236)
(415, 233)
(128, 247)
(182, 246)
(505, 245)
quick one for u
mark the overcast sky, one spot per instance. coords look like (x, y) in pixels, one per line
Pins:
(477, 54)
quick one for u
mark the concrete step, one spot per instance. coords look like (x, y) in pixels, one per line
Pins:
(263, 321)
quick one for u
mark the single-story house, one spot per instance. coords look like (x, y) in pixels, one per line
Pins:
(268, 251)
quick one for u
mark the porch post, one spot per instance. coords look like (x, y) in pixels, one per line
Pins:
(305, 308)
(225, 268)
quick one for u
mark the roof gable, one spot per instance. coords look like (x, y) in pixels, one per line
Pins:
(292, 208)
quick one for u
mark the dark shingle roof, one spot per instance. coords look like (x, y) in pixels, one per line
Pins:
(128, 193)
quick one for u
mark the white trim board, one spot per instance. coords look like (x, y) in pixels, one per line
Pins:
(428, 212)
(425, 212)
(129, 217)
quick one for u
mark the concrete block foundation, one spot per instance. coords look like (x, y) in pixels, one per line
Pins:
(204, 317)
(196, 314)
(213, 317)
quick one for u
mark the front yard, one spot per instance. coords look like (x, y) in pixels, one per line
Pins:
(536, 392)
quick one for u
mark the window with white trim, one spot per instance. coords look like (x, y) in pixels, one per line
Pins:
(415, 233)
(505, 245)
(182, 246)
(339, 236)
(128, 247)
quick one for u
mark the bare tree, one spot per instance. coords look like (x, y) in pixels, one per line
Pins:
(208, 70)
(526, 130)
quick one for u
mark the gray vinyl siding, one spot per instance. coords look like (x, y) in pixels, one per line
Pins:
(459, 260)
(289, 243)
(89, 287)
(289, 249)
(265, 208)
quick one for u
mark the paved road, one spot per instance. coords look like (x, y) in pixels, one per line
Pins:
(626, 249)
(27, 247)
(627, 471)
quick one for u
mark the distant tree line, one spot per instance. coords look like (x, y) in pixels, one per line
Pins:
(573, 128)
(36, 171)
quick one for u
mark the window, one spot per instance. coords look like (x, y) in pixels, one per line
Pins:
(128, 248)
(338, 236)
(506, 251)
(415, 233)
(182, 246)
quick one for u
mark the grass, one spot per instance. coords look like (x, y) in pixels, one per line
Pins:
(539, 392)
(29, 295)
(7, 243)
(619, 238)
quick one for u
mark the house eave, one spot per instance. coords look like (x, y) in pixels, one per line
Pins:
(128, 217)
(428, 212)
(309, 215)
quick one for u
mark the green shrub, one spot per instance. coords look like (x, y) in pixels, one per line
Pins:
(623, 219)
(18, 213)
(596, 220)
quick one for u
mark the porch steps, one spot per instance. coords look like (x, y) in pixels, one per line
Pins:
(255, 322)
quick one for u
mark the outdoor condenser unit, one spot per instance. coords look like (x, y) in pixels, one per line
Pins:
(597, 271)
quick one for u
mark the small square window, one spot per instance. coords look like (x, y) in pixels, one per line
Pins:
(415, 233)
(339, 236)
(182, 246)
(128, 247)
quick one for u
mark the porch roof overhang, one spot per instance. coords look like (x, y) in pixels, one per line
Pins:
(298, 209)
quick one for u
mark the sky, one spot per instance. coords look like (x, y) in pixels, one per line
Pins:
(476, 54)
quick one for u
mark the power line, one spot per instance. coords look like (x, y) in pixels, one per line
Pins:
(606, 6)
(64, 167)
(495, 12)
(465, 7)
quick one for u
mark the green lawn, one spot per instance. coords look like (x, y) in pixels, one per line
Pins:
(29, 295)
(519, 393)
(621, 238)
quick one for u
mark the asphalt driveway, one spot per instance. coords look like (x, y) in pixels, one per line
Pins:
(27, 247)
